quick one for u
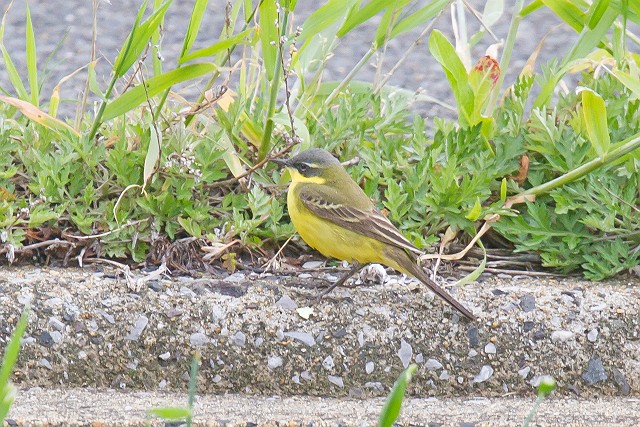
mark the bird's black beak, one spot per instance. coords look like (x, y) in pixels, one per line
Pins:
(281, 162)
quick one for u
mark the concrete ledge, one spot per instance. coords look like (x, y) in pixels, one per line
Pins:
(88, 328)
(82, 407)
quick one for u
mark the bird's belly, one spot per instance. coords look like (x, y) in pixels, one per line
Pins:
(332, 240)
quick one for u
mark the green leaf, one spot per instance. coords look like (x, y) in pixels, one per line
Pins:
(598, 7)
(170, 413)
(138, 38)
(32, 70)
(475, 212)
(444, 52)
(594, 114)
(195, 21)
(153, 154)
(392, 406)
(11, 351)
(568, 12)
(221, 45)
(139, 94)
(10, 68)
(269, 36)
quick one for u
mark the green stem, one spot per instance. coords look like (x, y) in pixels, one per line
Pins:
(506, 56)
(332, 96)
(265, 145)
(533, 411)
(624, 148)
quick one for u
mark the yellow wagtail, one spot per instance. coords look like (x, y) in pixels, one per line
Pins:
(334, 216)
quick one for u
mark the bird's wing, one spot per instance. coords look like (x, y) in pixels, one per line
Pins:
(368, 222)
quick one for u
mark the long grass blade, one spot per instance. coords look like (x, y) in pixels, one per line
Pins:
(32, 65)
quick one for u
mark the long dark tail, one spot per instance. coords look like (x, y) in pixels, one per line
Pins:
(409, 265)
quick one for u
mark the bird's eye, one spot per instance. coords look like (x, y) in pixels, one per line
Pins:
(303, 167)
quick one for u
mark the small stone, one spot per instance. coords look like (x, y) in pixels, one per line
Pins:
(218, 313)
(419, 358)
(485, 373)
(444, 375)
(162, 384)
(296, 379)
(56, 324)
(154, 285)
(306, 375)
(239, 339)
(527, 326)
(621, 382)
(432, 365)
(217, 379)
(528, 303)
(339, 333)
(304, 337)
(274, 362)
(46, 364)
(82, 355)
(312, 265)
(165, 356)
(327, 363)
(287, 303)
(53, 302)
(472, 353)
(595, 372)
(45, 339)
(108, 317)
(56, 336)
(258, 342)
(561, 336)
(235, 278)
(592, 336)
(373, 273)
(139, 325)
(369, 367)
(490, 348)
(198, 339)
(474, 336)
(335, 380)
(524, 372)
(405, 353)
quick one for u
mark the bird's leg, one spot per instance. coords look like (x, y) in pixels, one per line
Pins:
(354, 269)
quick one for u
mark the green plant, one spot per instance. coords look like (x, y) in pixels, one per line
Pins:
(546, 387)
(7, 389)
(392, 405)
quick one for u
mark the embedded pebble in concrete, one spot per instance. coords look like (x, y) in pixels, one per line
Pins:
(621, 382)
(485, 373)
(274, 362)
(239, 339)
(490, 348)
(528, 303)
(287, 303)
(304, 337)
(595, 372)
(561, 336)
(405, 353)
(369, 367)
(419, 358)
(312, 265)
(55, 323)
(524, 372)
(327, 363)
(444, 375)
(333, 379)
(432, 365)
(474, 336)
(592, 336)
(138, 327)
(198, 339)
(45, 339)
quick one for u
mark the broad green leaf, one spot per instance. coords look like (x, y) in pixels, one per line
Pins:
(37, 115)
(137, 95)
(169, 413)
(418, 18)
(139, 37)
(475, 211)
(32, 69)
(444, 52)
(269, 36)
(630, 83)
(359, 15)
(393, 404)
(568, 12)
(594, 113)
(240, 38)
(325, 16)
(598, 8)
(195, 20)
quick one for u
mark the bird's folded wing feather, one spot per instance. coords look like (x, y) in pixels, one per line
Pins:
(368, 222)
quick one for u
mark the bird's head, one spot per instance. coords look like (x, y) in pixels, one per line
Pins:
(314, 165)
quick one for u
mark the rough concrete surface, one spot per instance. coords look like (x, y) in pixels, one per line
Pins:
(106, 408)
(89, 328)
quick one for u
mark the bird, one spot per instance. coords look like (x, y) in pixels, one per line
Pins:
(334, 215)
